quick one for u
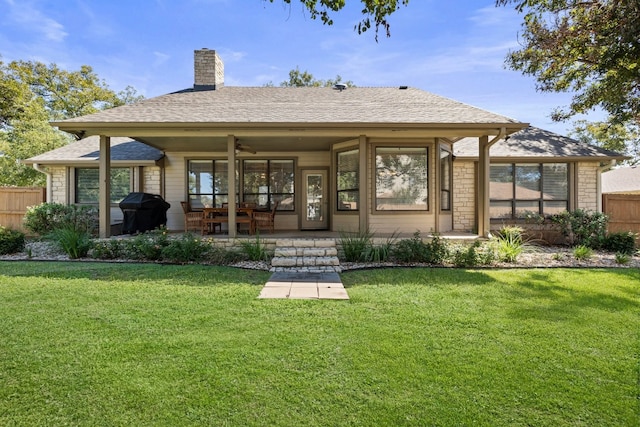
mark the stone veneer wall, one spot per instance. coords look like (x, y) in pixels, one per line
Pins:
(587, 186)
(464, 196)
(59, 190)
(151, 180)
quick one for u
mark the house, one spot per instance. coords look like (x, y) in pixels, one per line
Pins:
(73, 175)
(387, 159)
(532, 171)
(624, 180)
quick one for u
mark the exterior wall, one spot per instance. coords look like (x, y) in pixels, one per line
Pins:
(403, 223)
(176, 174)
(59, 184)
(345, 223)
(587, 186)
(464, 196)
(464, 191)
(151, 180)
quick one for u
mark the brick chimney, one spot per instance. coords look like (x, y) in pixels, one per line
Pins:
(209, 70)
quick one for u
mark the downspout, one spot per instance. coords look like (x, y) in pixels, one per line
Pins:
(601, 169)
(502, 134)
(37, 167)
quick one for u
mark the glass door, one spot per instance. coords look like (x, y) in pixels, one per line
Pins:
(315, 213)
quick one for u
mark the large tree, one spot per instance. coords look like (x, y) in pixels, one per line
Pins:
(304, 78)
(623, 138)
(590, 48)
(375, 12)
(31, 95)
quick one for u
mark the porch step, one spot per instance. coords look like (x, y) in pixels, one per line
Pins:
(306, 255)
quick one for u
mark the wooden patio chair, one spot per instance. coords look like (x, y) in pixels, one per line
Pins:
(246, 218)
(265, 219)
(192, 219)
(213, 218)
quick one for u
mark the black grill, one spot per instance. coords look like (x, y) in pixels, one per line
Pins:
(143, 212)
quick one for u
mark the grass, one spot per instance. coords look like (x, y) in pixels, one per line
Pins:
(126, 344)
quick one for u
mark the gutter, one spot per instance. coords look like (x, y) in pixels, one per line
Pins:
(604, 168)
(37, 167)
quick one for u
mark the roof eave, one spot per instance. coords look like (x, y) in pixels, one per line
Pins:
(542, 159)
(91, 162)
(133, 129)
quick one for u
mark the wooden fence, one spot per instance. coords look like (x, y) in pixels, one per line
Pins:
(623, 211)
(14, 202)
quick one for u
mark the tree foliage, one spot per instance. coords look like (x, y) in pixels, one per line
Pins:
(375, 12)
(31, 95)
(620, 137)
(590, 48)
(299, 78)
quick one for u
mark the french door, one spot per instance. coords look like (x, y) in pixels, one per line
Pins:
(315, 200)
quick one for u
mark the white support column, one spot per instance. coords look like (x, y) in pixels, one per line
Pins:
(231, 178)
(104, 202)
(363, 194)
(484, 224)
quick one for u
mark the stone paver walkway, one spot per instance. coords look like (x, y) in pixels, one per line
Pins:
(304, 285)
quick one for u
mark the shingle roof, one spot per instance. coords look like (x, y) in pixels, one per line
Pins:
(622, 180)
(271, 105)
(88, 150)
(535, 143)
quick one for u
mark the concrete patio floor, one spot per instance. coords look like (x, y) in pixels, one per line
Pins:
(304, 285)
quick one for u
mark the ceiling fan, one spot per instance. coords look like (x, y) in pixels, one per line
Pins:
(247, 148)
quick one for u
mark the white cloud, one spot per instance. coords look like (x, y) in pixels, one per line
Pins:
(25, 14)
(161, 58)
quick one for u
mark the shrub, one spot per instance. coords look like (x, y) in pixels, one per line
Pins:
(46, 217)
(11, 241)
(415, 249)
(473, 255)
(437, 250)
(185, 249)
(582, 227)
(74, 242)
(147, 246)
(410, 250)
(510, 243)
(622, 258)
(255, 250)
(623, 242)
(582, 252)
(222, 256)
(355, 245)
(107, 249)
(379, 252)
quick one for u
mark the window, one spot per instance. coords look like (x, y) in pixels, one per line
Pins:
(445, 179)
(348, 175)
(516, 189)
(401, 179)
(262, 181)
(208, 183)
(269, 181)
(87, 185)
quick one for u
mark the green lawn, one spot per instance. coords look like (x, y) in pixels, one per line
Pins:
(130, 344)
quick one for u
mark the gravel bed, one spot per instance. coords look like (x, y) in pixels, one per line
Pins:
(537, 257)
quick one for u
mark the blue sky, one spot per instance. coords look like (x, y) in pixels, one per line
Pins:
(454, 49)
